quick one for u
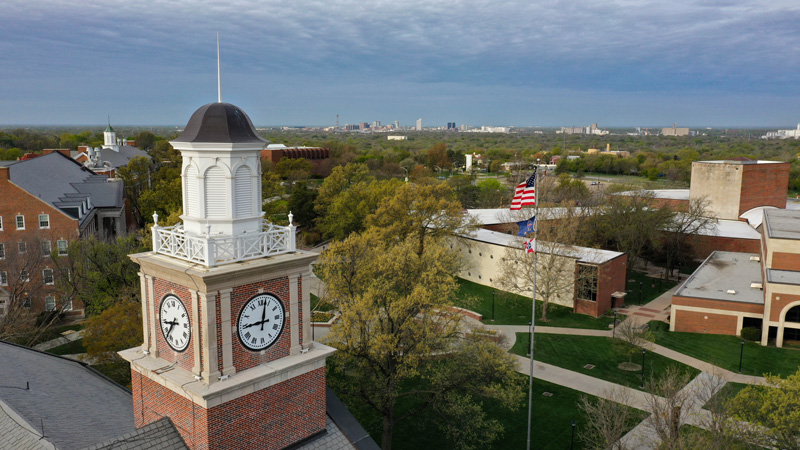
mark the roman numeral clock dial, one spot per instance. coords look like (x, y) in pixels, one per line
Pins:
(261, 322)
(175, 323)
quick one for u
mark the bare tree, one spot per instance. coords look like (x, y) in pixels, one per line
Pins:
(557, 271)
(607, 420)
(670, 405)
(688, 220)
(632, 337)
(28, 286)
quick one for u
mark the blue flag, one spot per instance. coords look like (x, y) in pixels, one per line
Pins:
(525, 226)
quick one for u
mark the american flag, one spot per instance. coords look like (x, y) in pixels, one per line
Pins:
(525, 193)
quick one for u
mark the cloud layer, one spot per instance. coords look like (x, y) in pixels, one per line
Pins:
(359, 58)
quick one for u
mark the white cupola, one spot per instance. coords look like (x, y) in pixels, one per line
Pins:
(110, 138)
(221, 172)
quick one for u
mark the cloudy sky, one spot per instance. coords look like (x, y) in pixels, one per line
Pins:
(479, 62)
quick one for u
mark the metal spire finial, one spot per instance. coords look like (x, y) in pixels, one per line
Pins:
(219, 76)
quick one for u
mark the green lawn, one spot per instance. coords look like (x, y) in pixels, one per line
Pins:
(317, 305)
(727, 392)
(724, 351)
(70, 348)
(575, 352)
(650, 288)
(513, 309)
(552, 422)
(119, 371)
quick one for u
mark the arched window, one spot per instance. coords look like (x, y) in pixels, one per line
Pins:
(793, 315)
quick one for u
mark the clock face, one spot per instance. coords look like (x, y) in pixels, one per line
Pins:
(261, 322)
(175, 323)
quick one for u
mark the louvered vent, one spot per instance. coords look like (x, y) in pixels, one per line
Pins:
(190, 183)
(244, 193)
(215, 193)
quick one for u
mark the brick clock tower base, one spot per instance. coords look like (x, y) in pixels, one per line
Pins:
(219, 394)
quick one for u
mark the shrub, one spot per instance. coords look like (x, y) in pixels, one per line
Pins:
(751, 333)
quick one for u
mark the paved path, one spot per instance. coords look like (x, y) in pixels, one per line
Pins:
(64, 339)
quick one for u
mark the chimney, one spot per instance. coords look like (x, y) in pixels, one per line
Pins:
(83, 148)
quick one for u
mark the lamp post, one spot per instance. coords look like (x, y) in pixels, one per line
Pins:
(406, 180)
(640, 293)
(614, 330)
(741, 353)
(643, 352)
(572, 444)
(492, 306)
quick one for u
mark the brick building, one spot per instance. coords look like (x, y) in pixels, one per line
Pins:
(46, 203)
(732, 290)
(318, 156)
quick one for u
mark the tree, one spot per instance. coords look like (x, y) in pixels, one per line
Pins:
(136, 175)
(145, 140)
(689, 220)
(632, 338)
(117, 328)
(630, 224)
(774, 409)
(294, 169)
(437, 156)
(556, 270)
(670, 405)
(607, 419)
(301, 204)
(26, 289)
(421, 212)
(395, 327)
(340, 179)
(347, 212)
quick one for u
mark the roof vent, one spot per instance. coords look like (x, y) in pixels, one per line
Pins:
(731, 291)
(756, 285)
(755, 258)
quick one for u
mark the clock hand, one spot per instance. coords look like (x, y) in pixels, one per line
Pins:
(263, 315)
(260, 322)
(171, 326)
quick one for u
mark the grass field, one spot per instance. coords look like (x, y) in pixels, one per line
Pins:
(575, 352)
(513, 309)
(70, 348)
(552, 422)
(724, 351)
(650, 288)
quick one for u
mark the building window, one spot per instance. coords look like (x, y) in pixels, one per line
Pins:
(587, 282)
(22, 246)
(1, 223)
(47, 247)
(62, 247)
(44, 221)
(50, 303)
(23, 275)
(2, 250)
(47, 276)
(26, 302)
(67, 306)
(3, 279)
(20, 222)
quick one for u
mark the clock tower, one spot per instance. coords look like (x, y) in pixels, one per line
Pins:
(227, 352)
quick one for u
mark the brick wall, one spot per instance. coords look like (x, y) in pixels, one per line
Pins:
(702, 322)
(764, 185)
(779, 302)
(754, 308)
(785, 261)
(611, 277)
(272, 418)
(702, 246)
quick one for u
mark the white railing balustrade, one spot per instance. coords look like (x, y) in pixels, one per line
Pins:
(214, 250)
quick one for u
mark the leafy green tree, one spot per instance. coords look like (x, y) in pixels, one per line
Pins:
(145, 140)
(347, 212)
(774, 409)
(137, 178)
(301, 204)
(394, 329)
(117, 328)
(340, 179)
(294, 169)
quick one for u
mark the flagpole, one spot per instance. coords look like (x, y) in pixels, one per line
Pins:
(533, 306)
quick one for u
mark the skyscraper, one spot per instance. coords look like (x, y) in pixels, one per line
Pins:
(419, 124)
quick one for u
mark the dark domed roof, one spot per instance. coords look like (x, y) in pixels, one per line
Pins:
(220, 123)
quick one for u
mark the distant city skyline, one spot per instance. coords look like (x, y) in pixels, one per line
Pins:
(551, 64)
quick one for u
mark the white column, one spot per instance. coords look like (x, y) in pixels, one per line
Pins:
(196, 327)
(151, 294)
(208, 319)
(294, 314)
(306, 326)
(227, 332)
(145, 312)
